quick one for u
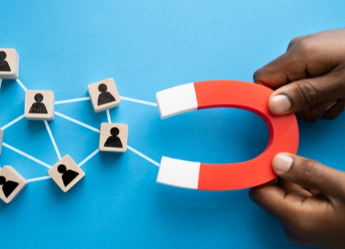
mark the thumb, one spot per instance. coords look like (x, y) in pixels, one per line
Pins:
(309, 174)
(308, 92)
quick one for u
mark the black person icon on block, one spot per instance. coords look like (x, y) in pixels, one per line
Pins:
(4, 66)
(8, 186)
(104, 95)
(114, 140)
(11, 183)
(67, 175)
(117, 141)
(9, 64)
(39, 105)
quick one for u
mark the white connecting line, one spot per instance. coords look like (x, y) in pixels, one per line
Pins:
(138, 101)
(108, 116)
(38, 179)
(76, 122)
(26, 155)
(142, 155)
(121, 97)
(88, 158)
(13, 122)
(22, 85)
(71, 100)
(53, 140)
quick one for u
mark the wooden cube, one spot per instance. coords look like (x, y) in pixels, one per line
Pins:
(11, 183)
(104, 95)
(1, 139)
(39, 105)
(66, 173)
(113, 137)
(9, 64)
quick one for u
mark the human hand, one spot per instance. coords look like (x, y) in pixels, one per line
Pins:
(309, 78)
(308, 198)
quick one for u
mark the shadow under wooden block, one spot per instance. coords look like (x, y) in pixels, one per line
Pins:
(104, 95)
(66, 173)
(113, 137)
(9, 64)
(39, 105)
(11, 182)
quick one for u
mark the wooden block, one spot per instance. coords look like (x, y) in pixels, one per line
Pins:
(11, 183)
(1, 139)
(66, 173)
(39, 105)
(9, 64)
(113, 137)
(104, 95)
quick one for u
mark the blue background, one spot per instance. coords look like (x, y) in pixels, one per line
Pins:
(147, 46)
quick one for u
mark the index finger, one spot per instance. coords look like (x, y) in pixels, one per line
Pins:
(280, 71)
(305, 60)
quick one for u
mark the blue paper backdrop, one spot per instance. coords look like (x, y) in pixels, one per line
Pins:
(147, 46)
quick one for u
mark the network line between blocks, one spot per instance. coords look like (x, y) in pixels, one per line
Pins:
(76, 122)
(67, 101)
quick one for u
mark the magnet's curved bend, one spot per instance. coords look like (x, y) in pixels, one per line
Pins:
(283, 135)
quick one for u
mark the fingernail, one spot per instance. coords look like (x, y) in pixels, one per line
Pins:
(281, 104)
(282, 162)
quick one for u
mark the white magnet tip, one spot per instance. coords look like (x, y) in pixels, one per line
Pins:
(177, 100)
(179, 173)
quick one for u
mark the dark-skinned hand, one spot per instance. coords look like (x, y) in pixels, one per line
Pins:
(307, 197)
(309, 78)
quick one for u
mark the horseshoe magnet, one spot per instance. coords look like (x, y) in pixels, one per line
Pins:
(283, 135)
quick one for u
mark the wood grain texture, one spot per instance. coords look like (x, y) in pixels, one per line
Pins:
(104, 95)
(71, 166)
(109, 141)
(11, 176)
